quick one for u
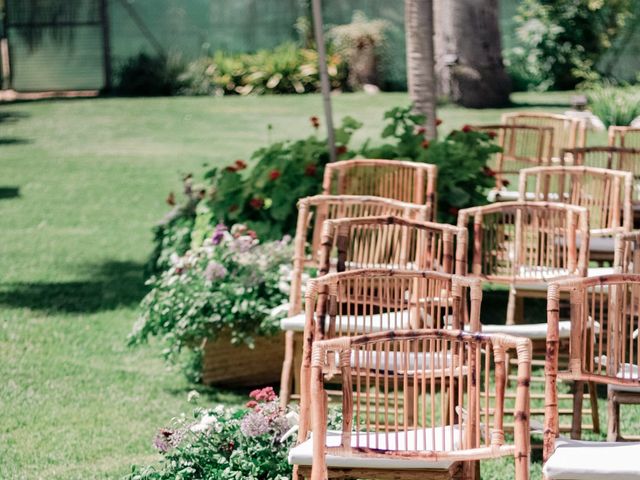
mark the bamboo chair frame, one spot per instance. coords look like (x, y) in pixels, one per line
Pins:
(392, 242)
(626, 137)
(312, 212)
(527, 243)
(522, 146)
(467, 374)
(568, 132)
(406, 298)
(627, 261)
(605, 193)
(411, 182)
(614, 302)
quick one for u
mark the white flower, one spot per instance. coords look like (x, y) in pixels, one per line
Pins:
(192, 396)
(207, 422)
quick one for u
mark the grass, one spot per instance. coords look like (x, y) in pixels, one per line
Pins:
(82, 183)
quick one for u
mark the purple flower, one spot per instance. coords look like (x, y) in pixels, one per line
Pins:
(254, 424)
(215, 271)
(218, 234)
(166, 439)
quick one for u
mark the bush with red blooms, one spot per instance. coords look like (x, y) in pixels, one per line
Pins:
(461, 158)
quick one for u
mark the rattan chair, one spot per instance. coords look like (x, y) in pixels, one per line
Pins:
(616, 158)
(522, 147)
(400, 180)
(373, 300)
(452, 423)
(608, 355)
(568, 132)
(627, 260)
(627, 137)
(524, 245)
(605, 193)
(312, 212)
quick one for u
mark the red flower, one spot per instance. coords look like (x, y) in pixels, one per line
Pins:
(425, 144)
(315, 122)
(421, 131)
(438, 121)
(265, 394)
(488, 172)
(233, 208)
(342, 149)
(274, 175)
(256, 203)
(251, 404)
(171, 199)
(506, 182)
(231, 168)
(492, 134)
(252, 234)
(467, 128)
(310, 170)
(241, 164)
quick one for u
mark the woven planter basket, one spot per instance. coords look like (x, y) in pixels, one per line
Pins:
(240, 366)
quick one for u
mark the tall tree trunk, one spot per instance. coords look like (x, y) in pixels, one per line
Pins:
(469, 53)
(420, 60)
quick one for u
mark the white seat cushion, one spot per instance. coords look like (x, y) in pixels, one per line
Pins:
(534, 331)
(547, 277)
(392, 360)
(630, 372)
(580, 460)
(400, 320)
(413, 441)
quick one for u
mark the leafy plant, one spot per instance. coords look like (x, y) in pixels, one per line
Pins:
(362, 42)
(231, 282)
(221, 443)
(461, 158)
(615, 105)
(285, 69)
(560, 42)
(145, 75)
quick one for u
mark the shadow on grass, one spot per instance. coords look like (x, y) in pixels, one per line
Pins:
(7, 117)
(9, 192)
(559, 103)
(111, 285)
(224, 395)
(14, 141)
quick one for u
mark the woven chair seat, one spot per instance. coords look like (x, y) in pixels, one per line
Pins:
(582, 460)
(357, 323)
(426, 439)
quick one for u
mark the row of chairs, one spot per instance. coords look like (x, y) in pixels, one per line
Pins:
(401, 273)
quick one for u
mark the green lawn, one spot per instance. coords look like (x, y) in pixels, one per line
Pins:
(91, 177)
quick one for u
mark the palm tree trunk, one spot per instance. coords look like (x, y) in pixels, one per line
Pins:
(420, 60)
(469, 53)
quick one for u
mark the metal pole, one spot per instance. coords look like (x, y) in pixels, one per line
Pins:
(324, 77)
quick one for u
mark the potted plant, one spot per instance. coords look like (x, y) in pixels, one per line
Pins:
(218, 299)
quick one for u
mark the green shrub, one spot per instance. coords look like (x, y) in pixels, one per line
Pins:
(285, 69)
(560, 42)
(461, 158)
(145, 75)
(615, 105)
(228, 281)
(249, 443)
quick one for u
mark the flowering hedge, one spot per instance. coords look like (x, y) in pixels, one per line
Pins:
(226, 443)
(231, 283)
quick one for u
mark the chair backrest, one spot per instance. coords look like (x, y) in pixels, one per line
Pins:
(568, 132)
(604, 345)
(605, 193)
(313, 211)
(400, 180)
(627, 137)
(627, 254)
(449, 372)
(522, 146)
(527, 241)
(392, 242)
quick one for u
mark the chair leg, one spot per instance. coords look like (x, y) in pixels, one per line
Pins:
(511, 306)
(593, 399)
(576, 420)
(287, 367)
(471, 470)
(613, 420)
